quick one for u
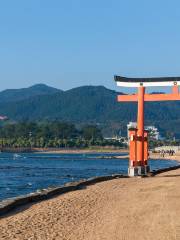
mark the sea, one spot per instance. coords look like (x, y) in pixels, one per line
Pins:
(21, 174)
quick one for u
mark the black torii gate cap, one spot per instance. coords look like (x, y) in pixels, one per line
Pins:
(153, 79)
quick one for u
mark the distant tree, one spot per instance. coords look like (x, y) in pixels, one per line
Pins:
(91, 132)
(51, 134)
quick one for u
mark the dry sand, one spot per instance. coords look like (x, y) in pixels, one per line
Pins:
(175, 157)
(136, 208)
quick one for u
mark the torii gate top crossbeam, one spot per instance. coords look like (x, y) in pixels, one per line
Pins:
(174, 82)
(147, 82)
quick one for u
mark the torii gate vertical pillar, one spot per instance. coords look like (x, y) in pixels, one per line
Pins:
(140, 126)
(139, 167)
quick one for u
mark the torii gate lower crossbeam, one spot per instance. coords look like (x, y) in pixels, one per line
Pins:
(138, 161)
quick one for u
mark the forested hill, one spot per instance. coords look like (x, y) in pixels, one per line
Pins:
(13, 95)
(87, 104)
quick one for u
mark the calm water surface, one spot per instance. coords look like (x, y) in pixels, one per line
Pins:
(25, 173)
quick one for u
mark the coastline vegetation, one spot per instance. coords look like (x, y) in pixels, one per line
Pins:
(53, 135)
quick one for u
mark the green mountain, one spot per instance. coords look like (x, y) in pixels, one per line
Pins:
(13, 95)
(83, 104)
(87, 104)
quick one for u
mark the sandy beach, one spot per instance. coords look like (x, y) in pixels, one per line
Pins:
(79, 151)
(136, 208)
(175, 157)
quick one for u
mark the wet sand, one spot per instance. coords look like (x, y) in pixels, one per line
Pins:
(136, 208)
(104, 150)
(80, 151)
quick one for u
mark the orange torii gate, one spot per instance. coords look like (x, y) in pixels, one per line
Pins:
(138, 156)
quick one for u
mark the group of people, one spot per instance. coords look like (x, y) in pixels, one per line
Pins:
(168, 152)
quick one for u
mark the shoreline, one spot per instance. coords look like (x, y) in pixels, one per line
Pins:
(79, 151)
(11, 204)
(101, 210)
(153, 156)
(63, 150)
(49, 192)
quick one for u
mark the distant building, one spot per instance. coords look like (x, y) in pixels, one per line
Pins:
(116, 138)
(153, 131)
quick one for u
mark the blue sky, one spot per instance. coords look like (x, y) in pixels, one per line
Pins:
(69, 43)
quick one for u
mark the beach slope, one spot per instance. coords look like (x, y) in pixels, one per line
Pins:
(136, 208)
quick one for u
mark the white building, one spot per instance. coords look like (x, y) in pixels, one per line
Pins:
(153, 131)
